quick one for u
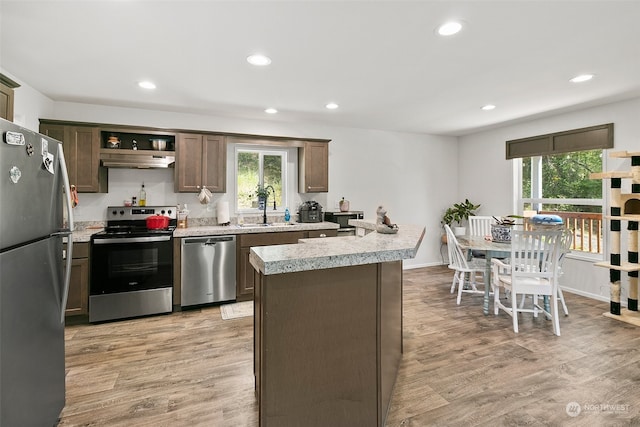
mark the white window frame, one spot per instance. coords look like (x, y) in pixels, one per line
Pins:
(283, 152)
(537, 202)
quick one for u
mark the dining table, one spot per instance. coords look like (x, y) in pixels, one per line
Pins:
(491, 250)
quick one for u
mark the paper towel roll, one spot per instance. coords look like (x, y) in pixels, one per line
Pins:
(222, 212)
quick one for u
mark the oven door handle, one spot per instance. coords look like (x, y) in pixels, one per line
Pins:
(148, 239)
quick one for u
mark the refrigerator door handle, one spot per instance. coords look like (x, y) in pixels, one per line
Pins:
(68, 258)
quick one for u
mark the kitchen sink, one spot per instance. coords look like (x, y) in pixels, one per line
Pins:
(270, 224)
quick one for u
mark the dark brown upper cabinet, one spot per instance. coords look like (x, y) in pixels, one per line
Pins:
(201, 161)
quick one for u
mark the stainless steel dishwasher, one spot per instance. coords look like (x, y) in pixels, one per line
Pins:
(208, 271)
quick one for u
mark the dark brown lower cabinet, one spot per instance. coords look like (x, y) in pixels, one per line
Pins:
(78, 301)
(245, 280)
(328, 345)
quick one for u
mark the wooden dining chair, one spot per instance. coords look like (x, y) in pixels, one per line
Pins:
(533, 270)
(480, 225)
(466, 273)
(566, 239)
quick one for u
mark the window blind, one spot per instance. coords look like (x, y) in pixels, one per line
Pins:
(590, 138)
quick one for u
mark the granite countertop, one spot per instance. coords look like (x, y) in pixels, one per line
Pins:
(332, 252)
(216, 230)
(84, 234)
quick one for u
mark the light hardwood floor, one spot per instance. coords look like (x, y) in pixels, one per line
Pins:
(459, 367)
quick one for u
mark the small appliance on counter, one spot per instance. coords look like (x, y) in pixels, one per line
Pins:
(342, 218)
(310, 211)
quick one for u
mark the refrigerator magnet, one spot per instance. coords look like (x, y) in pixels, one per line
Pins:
(45, 147)
(47, 161)
(15, 174)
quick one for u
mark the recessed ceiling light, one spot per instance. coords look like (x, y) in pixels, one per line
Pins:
(258, 60)
(146, 85)
(488, 107)
(331, 106)
(581, 78)
(449, 28)
(271, 111)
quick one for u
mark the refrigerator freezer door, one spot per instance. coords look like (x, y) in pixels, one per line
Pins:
(31, 196)
(32, 383)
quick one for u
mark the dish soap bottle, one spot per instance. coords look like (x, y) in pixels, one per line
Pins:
(142, 201)
(287, 215)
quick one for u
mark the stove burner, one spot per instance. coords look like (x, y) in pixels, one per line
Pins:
(118, 229)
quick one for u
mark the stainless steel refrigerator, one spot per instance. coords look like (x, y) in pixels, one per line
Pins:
(34, 277)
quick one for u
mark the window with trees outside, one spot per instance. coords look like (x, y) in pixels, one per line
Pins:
(559, 184)
(257, 167)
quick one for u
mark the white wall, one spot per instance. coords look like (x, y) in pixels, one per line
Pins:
(29, 104)
(486, 177)
(412, 175)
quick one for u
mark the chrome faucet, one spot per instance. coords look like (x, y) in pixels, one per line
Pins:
(266, 198)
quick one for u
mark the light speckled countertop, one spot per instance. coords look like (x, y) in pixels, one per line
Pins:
(217, 230)
(332, 252)
(84, 234)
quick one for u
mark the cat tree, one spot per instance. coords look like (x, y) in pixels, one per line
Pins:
(624, 207)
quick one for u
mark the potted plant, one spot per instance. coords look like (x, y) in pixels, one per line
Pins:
(458, 213)
(261, 193)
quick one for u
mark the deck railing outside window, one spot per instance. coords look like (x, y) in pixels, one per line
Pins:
(586, 228)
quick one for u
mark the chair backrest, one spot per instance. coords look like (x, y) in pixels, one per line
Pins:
(480, 225)
(566, 239)
(457, 260)
(535, 253)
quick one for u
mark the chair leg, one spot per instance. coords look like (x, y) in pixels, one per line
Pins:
(524, 297)
(564, 305)
(514, 311)
(455, 279)
(554, 314)
(496, 299)
(461, 283)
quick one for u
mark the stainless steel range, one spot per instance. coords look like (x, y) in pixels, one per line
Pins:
(132, 266)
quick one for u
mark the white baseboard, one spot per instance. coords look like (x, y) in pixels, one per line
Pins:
(414, 266)
(603, 298)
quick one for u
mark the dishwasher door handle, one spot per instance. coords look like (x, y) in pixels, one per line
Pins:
(208, 241)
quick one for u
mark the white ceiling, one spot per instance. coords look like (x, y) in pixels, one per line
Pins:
(381, 61)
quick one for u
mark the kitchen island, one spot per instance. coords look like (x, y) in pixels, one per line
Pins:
(328, 328)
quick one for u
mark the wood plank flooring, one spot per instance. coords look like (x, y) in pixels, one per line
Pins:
(459, 368)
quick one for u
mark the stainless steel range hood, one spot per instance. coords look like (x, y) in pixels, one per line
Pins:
(136, 159)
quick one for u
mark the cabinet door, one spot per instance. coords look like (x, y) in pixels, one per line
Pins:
(214, 168)
(245, 276)
(84, 143)
(314, 167)
(78, 302)
(6, 102)
(188, 173)
(81, 145)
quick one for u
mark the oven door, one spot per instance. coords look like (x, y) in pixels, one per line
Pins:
(122, 264)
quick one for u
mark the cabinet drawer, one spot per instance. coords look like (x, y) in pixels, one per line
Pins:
(323, 233)
(80, 250)
(267, 239)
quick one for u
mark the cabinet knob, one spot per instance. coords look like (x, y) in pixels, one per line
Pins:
(323, 235)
